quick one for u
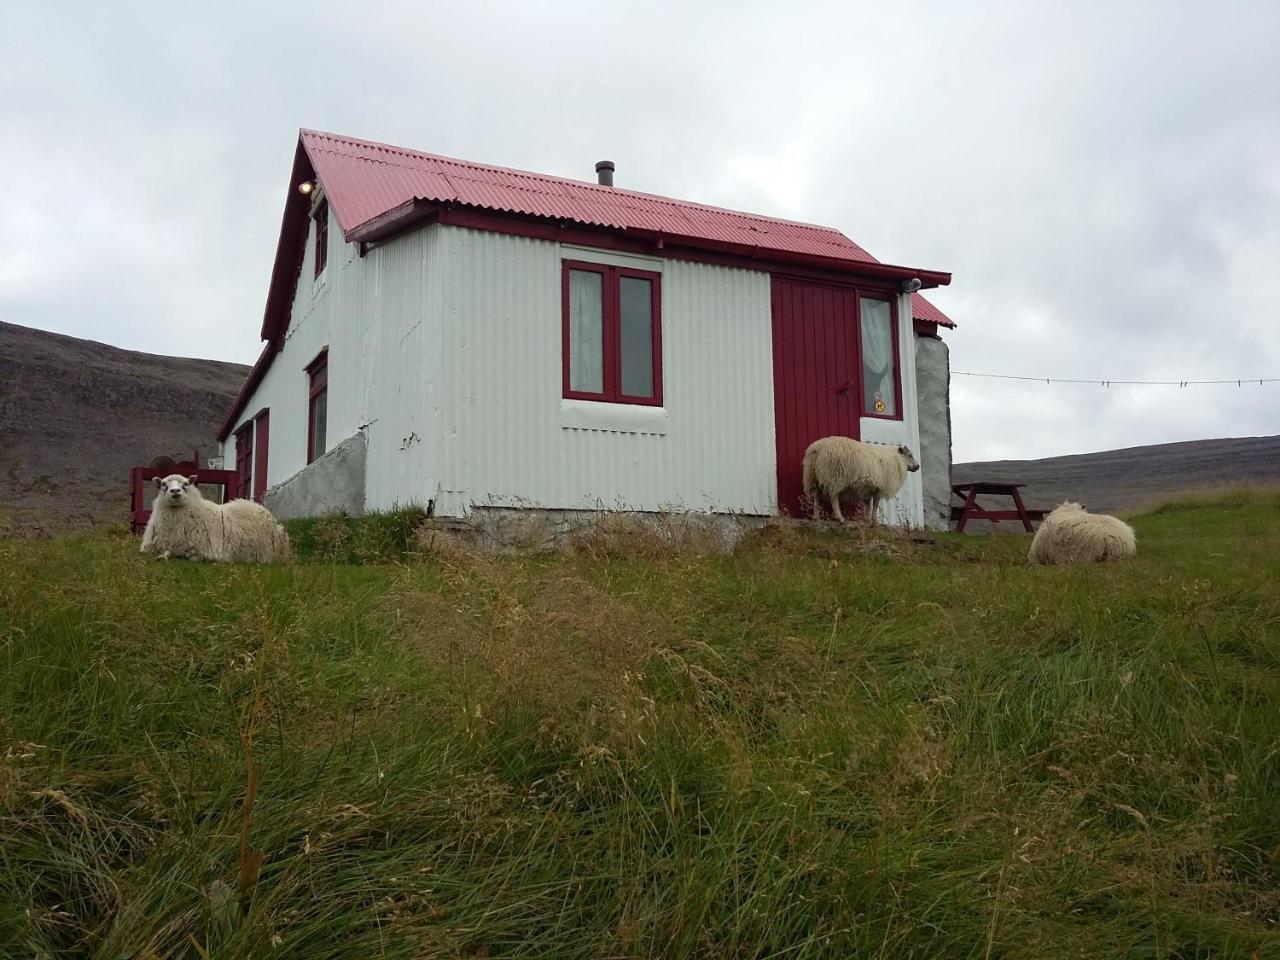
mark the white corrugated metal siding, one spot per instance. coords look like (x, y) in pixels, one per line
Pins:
(373, 315)
(508, 438)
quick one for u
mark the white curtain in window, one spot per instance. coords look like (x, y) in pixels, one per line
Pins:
(586, 332)
(878, 396)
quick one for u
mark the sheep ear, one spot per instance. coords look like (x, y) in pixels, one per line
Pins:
(192, 480)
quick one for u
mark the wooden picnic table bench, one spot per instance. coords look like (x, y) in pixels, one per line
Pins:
(969, 493)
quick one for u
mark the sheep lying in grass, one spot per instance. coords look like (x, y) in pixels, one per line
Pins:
(1069, 534)
(184, 524)
(871, 472)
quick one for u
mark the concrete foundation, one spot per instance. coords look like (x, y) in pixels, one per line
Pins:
(532, 530)
(933, 390)
(332, 484)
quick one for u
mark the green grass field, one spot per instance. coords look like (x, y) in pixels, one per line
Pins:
(821, 746)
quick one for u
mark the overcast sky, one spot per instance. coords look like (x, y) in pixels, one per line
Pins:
(1103, 180)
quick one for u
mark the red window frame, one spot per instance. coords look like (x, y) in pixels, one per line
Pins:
(863, 293)
(611, 349)
(244, 460)
(321, 217)
(317, 384)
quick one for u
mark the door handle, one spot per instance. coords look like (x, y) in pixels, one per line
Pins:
(845, 388)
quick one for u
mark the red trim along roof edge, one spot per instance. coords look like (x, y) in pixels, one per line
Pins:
(251, 382)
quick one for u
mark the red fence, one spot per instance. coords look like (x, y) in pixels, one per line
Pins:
(143, 491)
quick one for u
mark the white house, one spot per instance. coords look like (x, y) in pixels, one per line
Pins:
(462, 336)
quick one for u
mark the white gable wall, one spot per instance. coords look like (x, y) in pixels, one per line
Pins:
(371, 313)
(283, 390)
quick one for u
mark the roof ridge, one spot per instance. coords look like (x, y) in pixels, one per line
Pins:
(410, 153)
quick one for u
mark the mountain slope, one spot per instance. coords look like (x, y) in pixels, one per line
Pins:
(76, 415)
(1134, 477)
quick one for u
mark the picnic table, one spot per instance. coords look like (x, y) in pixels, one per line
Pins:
(969, 493)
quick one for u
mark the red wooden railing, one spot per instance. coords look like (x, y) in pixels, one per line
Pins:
(143, 492)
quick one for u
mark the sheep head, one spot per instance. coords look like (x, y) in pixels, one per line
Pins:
(905, 452)
(175, 488)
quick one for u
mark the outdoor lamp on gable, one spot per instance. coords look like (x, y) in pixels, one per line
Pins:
(305, 188)
(910, 286)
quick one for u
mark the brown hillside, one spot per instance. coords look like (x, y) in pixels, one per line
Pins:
(76, 415)
(1136, 477)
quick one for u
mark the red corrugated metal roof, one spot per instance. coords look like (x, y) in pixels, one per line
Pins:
(364, 180)
(922, 309)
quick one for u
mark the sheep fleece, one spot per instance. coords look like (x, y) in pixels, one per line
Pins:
(834, 466)
(1070, 534)
(237, 532)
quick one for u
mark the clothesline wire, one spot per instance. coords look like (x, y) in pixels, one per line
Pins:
(1104, 382)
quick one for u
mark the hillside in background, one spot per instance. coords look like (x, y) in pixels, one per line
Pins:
(1136, 477)
(76, 415)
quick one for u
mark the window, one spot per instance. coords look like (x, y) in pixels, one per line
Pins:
(612, 333)
(880, 395)
(322, 235)
(317, 404)
(244, 460)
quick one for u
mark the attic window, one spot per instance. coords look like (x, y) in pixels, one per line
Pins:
(321, 217)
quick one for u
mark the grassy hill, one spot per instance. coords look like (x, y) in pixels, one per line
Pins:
(823, 745)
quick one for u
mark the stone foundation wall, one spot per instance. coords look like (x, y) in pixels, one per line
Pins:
(534, 530)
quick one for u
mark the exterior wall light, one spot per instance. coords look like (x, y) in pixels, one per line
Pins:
(306, 187)
(910, 286)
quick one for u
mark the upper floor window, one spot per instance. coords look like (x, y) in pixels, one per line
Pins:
(612, 333)
(317, 405)
(321, 217)
(880, 393)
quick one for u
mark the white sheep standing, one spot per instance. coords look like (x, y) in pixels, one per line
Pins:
(871, 472)
(184, 524)
(1070, 534)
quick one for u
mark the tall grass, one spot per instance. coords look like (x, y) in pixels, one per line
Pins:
(818, 746)
(338, 538)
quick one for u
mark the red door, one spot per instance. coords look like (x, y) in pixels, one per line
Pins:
(244, 459)
(815, 375)
(260, 454)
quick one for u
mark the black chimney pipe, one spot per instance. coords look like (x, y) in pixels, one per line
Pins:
(604, 173)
